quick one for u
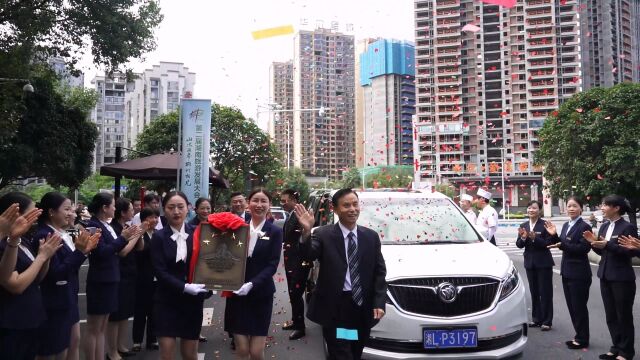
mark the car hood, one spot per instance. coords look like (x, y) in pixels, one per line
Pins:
(475, 259)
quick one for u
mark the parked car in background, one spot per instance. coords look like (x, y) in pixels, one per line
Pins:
(451, 294)
(279, 216)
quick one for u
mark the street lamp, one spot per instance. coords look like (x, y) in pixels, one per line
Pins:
(27, 86)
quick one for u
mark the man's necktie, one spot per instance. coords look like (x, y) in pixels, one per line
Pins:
(354, 260)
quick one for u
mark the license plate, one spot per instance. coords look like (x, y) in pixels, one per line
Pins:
(447, 339)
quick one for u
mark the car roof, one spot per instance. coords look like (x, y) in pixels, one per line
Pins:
(394, 193)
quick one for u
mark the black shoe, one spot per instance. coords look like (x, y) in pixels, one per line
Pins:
(534, 325)
(607, 356)
(233, 344)
(136, 347)
(573, 345)
(154, 346)
(545, 327)
(202, 339)
(297, 334)
(126, 353)
(288, 326)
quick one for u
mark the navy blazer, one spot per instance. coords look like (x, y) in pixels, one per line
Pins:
(575, 249)
(22, 311)
(143, 261)
(263, 263)
(536, 253)
(61, 282)
(615, 260)
(172, 275)
(104, 262)
(326, 244)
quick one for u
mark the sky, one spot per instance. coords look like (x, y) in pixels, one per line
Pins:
(213, 39)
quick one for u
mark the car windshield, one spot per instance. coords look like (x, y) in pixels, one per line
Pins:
(416, 221)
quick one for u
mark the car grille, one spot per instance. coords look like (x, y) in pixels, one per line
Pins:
(416, 347)
(418, 296)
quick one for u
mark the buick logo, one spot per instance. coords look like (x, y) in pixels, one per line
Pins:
(447, 292)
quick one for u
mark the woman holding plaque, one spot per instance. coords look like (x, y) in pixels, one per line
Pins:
(248, 312)
(203, 209)
(177, 303)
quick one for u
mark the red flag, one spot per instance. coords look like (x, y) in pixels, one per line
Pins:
(505, 3)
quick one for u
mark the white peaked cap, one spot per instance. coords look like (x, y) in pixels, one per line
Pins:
(484, 193)
(466, 197)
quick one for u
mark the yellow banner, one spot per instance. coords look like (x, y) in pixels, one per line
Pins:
(271, 32)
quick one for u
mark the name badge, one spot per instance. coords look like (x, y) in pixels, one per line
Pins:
(264, 238)
(61, 283)
(569, 238)
(614, 237)
(346, 334)
(538, 233)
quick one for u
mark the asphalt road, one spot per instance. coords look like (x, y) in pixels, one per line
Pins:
(541, 345)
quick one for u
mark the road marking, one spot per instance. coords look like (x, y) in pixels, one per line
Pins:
(85, 265)
(556, 271)
(82, 294)
(207, 316)
(84, 321)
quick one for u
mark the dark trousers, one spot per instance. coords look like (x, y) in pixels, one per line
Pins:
(576, 293)
(353, 317)
(493, 241)
(143, 313)
(296, 282)
(618, 297)
(541, 288)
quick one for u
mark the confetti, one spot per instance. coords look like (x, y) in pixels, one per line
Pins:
(271, 32)
(471, 27)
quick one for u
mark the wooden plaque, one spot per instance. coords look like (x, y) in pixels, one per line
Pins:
(223, 258)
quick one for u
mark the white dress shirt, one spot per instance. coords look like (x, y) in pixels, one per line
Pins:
(68, 240)
(136, 221)
(110, 229)
(254, 234)
(180, 237)
(487, 222)
(610, 229)
(571, 223)
(345, 235)
(471, 216)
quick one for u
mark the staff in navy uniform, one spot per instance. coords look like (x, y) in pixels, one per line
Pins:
(617, 278)
(349, 297)
(21, 308)
(575, 269)
(297, 270)
(104, 273)
(145, 285)
(59, 285)
(247, 314)
(177, 303)
(534, 238)
(119, 319)
(203, 210)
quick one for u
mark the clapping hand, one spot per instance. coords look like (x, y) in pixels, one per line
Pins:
(7, 219)
(522, 233)
(551, 228)
(87, 242)
(305, 218)
(629, 242)
(49, 246)
(23, 223)
(554, 246)
(598, 243)
(132, 232)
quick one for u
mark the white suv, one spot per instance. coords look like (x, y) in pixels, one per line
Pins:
(451, 294)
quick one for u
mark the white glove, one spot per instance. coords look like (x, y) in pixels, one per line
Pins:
(194, 289)
(244, 289)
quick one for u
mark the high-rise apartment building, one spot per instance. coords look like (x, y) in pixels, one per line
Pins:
(281, 123)
(610, 42)
(157, 91)
(109, 116)
(323, 77)
(361, 46)
(387, 78)
(483, 95)
(125, 108)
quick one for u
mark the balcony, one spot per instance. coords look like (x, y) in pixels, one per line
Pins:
(449, 22)
(543, 94)
(539, 23)
(540, 13)
(442, 4)
(537, 4)
(447, 13)
(535, 54)
(540, 43)
(540, 64)
(540, 33)
(542, 104)
(541, 84)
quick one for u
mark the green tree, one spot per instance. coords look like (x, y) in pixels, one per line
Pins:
(590, 147)
(161, 135)
(289, 179)
(352, 179)
(52, 138)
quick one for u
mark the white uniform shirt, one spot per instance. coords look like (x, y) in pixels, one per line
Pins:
(136, 221)
(487, 222)
(471, 216)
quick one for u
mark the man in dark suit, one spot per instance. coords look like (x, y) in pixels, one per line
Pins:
(296, 269)
(238, 206)
(349, 297)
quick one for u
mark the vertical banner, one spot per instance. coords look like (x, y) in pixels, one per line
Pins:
(195, 129)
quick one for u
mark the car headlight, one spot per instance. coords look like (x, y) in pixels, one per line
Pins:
(510, 283)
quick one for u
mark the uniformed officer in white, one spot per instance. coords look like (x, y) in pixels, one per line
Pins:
(487, 221)
(465, 205)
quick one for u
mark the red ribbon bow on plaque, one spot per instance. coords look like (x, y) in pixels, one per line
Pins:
(223, 221)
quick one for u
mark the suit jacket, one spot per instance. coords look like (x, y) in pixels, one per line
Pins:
(104, 262)
(292, 231)
(575, 248)
(143, 261)
(59, 285)
(326, 244)
(172, 275)
(536, 253)
(263, 263)
(615, 261)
